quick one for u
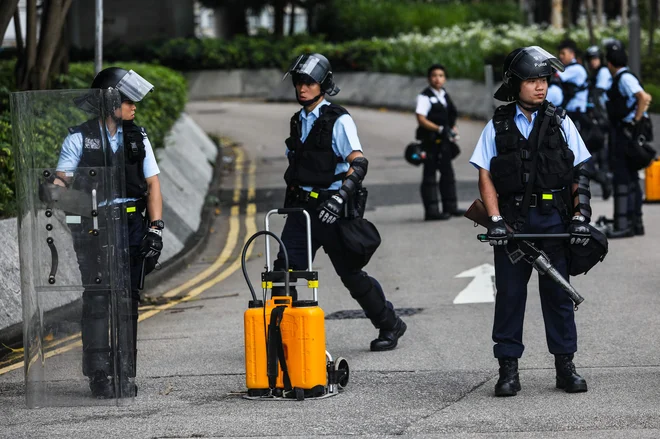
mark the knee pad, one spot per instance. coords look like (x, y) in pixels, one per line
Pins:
(358, 284)
(95, 327)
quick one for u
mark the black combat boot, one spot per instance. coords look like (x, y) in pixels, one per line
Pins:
(567, 377)
(389, 338)
(451, 208)
(430, 199)
(101, 386)
(509, 382)
(622, 226)
(638, 226)
(432, 213)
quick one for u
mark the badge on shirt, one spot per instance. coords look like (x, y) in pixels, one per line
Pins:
(434, 100)
(92, 143)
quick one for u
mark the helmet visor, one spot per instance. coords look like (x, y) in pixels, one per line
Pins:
(534, 62)
(308, 65)
(134, 86)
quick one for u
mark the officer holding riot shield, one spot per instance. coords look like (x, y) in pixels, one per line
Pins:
(82, 148)
(325, 175)
(630, 130)
(436, 117)
(529, 157)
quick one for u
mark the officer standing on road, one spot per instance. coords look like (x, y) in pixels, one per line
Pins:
(531, 142)
(436, 116)
(575, 83)
(326, 170)
(626, 106)
(80, 149)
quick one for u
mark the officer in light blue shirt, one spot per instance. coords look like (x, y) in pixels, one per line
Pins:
(629, 127)
(555, 92)
(525, 134)
(574, 80)
(324, 177)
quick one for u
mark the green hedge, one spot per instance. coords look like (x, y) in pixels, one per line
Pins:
(355, 19)
(157, 112)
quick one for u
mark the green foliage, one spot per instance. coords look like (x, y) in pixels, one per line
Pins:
(157, 112)
(354, 19)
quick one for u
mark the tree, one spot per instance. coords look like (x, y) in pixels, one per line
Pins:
(44, 52)
(7, 9)
(231, 15)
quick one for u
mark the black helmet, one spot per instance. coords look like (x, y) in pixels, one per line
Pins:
(131, 86)
(314, 66)
(592, 52)
(611, 44)
(523, 64)
(615, 52)
(414, 154)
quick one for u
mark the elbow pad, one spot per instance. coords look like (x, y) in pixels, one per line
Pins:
(583, 196)
(359, 166)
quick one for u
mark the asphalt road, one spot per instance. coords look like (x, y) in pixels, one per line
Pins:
(437, 383)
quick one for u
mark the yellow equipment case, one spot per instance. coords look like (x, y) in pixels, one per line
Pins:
(285, 356)
(652, 182)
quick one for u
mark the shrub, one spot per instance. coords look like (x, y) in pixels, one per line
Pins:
(157, 112)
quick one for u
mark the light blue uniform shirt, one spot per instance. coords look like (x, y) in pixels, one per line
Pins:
(486, 149)
(344, 139)
(628, 86)
(72, 149)
(576, 74)
(603, 79)
(555, 95)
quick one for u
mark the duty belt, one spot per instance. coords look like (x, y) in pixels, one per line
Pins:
(315, 196)
(554, 197)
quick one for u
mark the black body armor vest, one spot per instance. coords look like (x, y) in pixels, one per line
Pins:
(134, 154)
(511, 168)
(617, 103)
(438, 114)
(313, 162)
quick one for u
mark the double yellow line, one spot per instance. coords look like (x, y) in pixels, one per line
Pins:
(207, 278)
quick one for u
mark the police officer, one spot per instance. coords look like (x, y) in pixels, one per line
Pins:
(326, 169)
(600, 80)
(575, 83)
(436, 116)
(626, 106)
(531, 142)
(142, 193)
(555, 92)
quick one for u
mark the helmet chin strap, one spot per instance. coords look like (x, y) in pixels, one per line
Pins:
(530, 108)
(308, 102)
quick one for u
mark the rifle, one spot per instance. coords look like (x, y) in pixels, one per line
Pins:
(526, 250)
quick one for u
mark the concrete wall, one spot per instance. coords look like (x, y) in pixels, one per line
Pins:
(187, 147)
(362, 88)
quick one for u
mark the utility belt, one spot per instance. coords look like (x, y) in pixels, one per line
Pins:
(298, 197)
(543, 201)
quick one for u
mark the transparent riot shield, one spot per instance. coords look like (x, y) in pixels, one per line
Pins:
(78, 317)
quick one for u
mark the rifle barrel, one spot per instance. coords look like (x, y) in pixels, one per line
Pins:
(531, 236)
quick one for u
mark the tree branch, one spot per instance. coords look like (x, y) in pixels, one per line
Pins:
(7, 9)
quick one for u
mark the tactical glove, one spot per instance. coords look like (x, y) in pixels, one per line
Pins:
(152, 244)
(579, 230)
(498, 233)
(330, 210)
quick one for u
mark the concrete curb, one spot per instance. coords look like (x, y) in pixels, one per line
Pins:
(360, 88)
(185, 210)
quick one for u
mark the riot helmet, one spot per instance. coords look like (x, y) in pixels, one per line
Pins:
(523, 64)
(592, 52)
(615, 52)
(130, 85)
(310, 69)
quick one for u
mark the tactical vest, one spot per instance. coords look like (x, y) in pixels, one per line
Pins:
(511, 168)
(94, 156)
(438, 114)
(313, 162)
(617, 103)
(570, 89)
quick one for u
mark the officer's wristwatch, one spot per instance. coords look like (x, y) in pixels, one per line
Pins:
(579, 217)
(496, 218)
(158, 224)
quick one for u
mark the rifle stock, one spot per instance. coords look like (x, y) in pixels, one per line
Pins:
(477, 213)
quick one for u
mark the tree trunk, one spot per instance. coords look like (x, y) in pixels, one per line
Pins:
(653, 23)
(49, 39)
(26, 65)
(624, 12)
(7, 9)
(600, 13)
(278, 6)
(310, 8)
(230, 20)
(556, 17)
(292, 19)
(20, 47)
(590, 21)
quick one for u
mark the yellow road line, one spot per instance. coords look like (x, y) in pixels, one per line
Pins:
(233, 221)
(234, 228)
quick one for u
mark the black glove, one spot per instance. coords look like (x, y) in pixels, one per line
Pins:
(498, 233)
(331, 209)
(579, 230)
(152, 244)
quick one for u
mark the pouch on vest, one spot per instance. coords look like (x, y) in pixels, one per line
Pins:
(359, 239)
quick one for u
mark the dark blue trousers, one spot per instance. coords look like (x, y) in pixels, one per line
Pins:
(625, 179)
(363, 288)
(511, 283)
